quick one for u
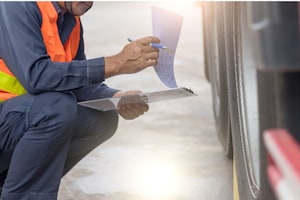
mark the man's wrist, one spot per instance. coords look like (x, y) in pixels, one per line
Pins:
(112, 66)
(118, 94)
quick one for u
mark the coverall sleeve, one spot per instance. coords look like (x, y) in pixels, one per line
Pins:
(94, 91)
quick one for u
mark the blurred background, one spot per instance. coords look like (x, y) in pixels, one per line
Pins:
(170, 153)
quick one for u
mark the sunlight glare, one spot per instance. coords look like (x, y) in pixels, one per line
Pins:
(158, 180)
(180, 7)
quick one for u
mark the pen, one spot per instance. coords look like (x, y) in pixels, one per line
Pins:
(156, 45)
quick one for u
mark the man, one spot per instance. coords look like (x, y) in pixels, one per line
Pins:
(43, 74)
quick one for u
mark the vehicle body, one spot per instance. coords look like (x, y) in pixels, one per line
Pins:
(252, 61)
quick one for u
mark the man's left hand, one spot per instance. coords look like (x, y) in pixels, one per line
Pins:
(131, 111)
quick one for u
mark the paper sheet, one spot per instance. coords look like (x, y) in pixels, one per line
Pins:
(167, 26)
(116, 102)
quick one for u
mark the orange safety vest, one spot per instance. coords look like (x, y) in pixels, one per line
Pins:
(9, 84)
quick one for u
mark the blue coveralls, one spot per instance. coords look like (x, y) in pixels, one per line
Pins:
(44, 133)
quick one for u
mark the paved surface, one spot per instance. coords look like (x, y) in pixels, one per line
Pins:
(170, 153)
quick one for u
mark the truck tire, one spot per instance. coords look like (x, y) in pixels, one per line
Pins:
(236, 90)
(256, 100)
(247, 87)
(216, 74)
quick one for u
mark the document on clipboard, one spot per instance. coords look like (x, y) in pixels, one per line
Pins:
(166, 25)
(115, 103)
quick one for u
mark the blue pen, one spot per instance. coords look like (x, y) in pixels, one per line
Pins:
(156, 45)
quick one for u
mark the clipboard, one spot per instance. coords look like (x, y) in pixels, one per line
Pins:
(115, 103)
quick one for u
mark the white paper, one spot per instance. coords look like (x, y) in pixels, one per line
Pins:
(166, 26)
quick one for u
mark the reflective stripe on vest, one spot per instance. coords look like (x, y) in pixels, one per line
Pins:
(9, 85)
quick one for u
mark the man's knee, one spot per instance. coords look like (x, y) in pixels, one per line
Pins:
(96, 124)
(106, 124)
(112, 122)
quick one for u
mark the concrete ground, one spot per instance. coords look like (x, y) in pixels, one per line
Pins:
(170, 153)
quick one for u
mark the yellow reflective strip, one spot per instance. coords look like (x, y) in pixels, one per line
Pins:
(11, 84)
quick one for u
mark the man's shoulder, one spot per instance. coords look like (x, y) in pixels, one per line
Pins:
(22, 6)
(20, 9)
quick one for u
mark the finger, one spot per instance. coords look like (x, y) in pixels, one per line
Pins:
(135, 110)
(149, 49)
(148, 40)
(140, 109)
(125, 114)
(145, 107)
(151, 62)
(142, 106)
(152, 55)
(128, 112)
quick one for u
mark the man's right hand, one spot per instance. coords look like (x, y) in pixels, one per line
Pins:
(134, 57)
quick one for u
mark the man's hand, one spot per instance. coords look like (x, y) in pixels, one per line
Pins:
(131, 111)
(134, 57)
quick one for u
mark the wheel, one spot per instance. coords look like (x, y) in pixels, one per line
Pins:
(215, 64)
(246, 91)
(256, 100)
